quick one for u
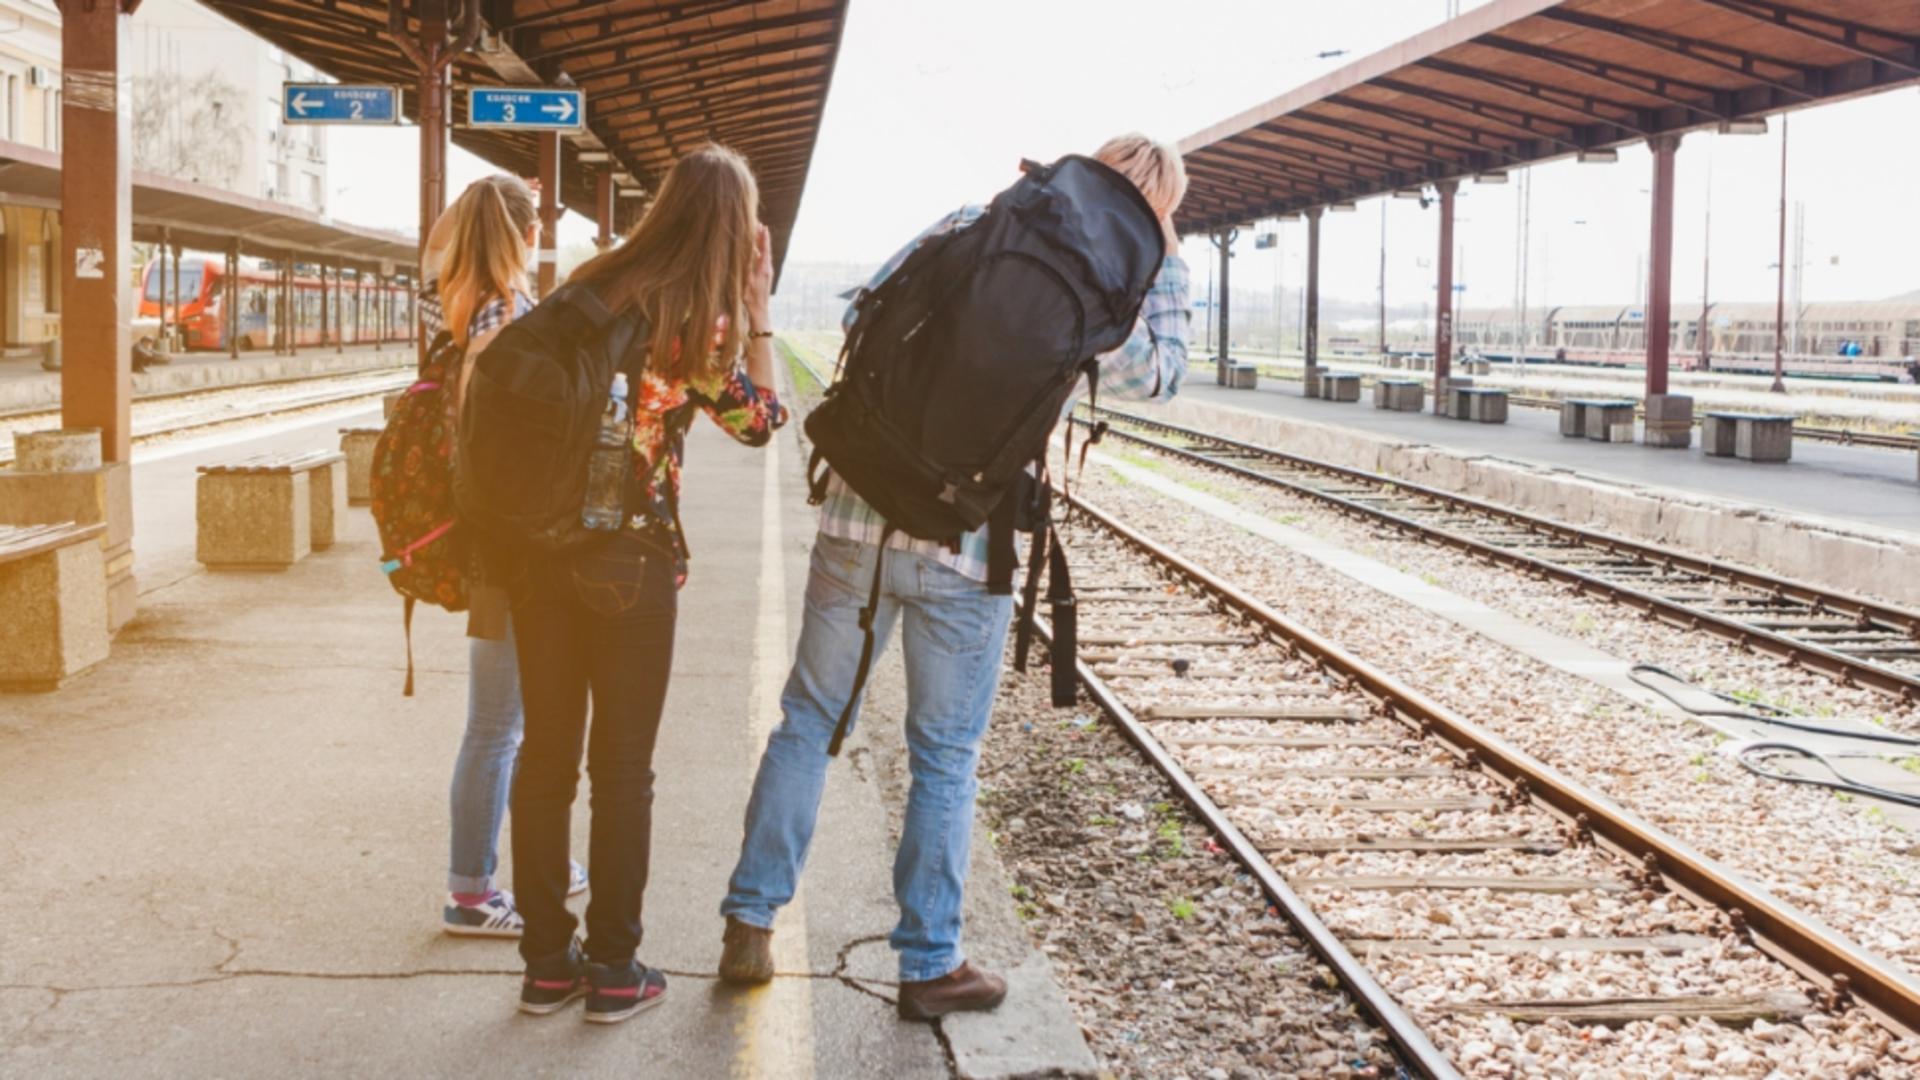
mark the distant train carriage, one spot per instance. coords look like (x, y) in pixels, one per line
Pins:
(1871, 339)
(200, 313)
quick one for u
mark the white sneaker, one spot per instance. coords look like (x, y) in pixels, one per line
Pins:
(493, 917)
(577, 880)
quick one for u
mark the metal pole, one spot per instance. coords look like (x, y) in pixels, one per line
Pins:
(1526, 258)
(160, 277)
(1704, 333)
(233, 300)
(1780, 288)
(1443, 306)
(324, 341)
(549, 211)
(339, 309)
(294, 312)
(1224, 240)
(1310, 343)
(1659, 322)
(603, 207)
(432, 55)
(1383, 281)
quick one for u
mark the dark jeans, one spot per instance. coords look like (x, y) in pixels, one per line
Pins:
(600, 623)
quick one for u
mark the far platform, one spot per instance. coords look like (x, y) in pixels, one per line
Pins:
(1857, 484)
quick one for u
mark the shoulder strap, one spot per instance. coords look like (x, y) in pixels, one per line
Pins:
(1066, 630)
(866, 646)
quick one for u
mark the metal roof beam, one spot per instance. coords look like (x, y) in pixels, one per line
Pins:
(540, 34)
(1524, 126)
(631, 57)
(642, 75)
(1847, 37)
(1446, 129)
(726, 110)
(1586, 105)
(721, 88)
(1697, 50)
(1436, 153)
(1254, 186)
(1650, 83)
(1366, 154)
(1311, 174)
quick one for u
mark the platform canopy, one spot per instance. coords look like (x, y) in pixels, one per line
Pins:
(204, 218)
(1518, 82)
(661, 77)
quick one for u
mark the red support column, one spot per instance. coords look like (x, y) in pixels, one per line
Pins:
(1310, 343)
(1669, 416)
(1443, 305)
(233, 300)
(549, 211)
(295, 307)
(160, 283)
(603, 207)
(1223, 360)
(96, 192)
(324, 320)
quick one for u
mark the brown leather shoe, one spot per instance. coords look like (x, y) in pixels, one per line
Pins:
(964, 989)
(746, 954)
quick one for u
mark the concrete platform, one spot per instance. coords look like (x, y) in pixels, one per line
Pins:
(24, 386)
(1849, 483)
(226, 844)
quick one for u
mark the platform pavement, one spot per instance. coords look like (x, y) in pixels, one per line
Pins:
(225, 846)
(25, 386)
(1847, 483)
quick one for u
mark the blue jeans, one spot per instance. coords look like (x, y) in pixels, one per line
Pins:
(483, 772)
(955, 635)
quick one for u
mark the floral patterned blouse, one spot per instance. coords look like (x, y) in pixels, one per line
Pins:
(663, 410)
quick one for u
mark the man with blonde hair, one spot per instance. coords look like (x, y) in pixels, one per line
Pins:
(954, 638)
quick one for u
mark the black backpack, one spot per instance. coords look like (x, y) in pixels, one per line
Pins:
(535, 397)
(960, 361)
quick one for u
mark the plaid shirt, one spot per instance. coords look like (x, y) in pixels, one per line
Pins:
(492, 315)
(1149, 366)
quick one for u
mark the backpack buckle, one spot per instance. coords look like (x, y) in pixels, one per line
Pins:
(951, 495)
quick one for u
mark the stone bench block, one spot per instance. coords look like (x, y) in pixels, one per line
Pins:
(254, 521)
(1487, 406)
(1669, 421)
(1610, 422)
(357, 444)
(1763, 440)
(327, 495)
(1243, 376)
(1340, 387)
(53, 610)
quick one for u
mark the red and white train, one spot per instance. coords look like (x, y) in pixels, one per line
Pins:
(360, 311)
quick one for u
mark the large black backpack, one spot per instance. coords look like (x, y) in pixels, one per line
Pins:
(535, 397)
(960, 361)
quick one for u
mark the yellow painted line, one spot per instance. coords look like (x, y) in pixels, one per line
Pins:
(774, 1035)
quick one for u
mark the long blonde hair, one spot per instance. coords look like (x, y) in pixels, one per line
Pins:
(1154, 167)
(685, 264)
(486, 255)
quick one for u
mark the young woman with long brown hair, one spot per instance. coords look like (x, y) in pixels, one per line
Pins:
(478, 255)
(699, 268)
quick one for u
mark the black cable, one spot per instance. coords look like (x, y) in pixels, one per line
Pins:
(1773, 715)
(1843, 783)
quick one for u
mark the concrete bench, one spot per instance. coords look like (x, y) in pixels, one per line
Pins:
(53, 604)
(1599, 419)
(1340, 386)
(266, 512)
(390, 402)
(1400, 395)
(1748, 436)
(1241, 376)
(357, 444)
(1479, 404)
(1479, 367)
(1419, 363)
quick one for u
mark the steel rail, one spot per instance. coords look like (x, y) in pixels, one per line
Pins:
(1828, 959)
(275, 409)
(1848, 670)
(171, 395)
(1417, 1052)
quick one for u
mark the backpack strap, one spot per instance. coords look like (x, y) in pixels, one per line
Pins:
(407, 621)
(1029, 593)
(866, 645)
(1065, 622)
(1000, 554)
(817, 477)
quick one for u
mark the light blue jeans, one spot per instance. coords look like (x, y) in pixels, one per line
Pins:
(955, 635)
(483, 773)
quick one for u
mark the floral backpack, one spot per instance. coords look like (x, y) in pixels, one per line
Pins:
(412, 487)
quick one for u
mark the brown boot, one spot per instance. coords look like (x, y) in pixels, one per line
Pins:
(964, 989)
(746, 954)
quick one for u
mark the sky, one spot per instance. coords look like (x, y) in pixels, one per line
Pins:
(935, 102)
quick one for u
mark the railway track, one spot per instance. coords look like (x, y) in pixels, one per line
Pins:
(174, 414)
(1851, 639)
(1408, 844)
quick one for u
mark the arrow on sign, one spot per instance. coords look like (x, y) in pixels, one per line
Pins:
(562, 108)
(301, 102)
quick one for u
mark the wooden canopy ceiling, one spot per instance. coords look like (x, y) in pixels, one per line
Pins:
(661, 77)
(1522, 81)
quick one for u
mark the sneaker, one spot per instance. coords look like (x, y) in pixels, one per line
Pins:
(550, 983)
(618, 992)
(577, 879)
(746, 954)
(493, 917)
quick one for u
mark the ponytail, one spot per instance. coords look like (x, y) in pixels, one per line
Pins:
(486, 256)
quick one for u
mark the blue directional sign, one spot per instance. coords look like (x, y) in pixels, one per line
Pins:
(328, 103)
(526, 108)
